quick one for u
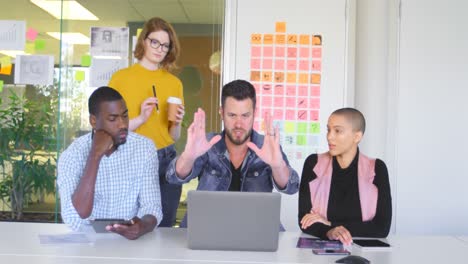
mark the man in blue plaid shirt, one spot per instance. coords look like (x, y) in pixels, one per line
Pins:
(110, 173)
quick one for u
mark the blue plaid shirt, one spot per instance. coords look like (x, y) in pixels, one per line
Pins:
(127, 183)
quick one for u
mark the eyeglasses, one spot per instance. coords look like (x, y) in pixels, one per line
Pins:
(155, 44)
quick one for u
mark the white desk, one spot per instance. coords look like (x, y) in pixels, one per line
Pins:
(19, 243)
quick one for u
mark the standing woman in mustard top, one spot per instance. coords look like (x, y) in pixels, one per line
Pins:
(157, 50)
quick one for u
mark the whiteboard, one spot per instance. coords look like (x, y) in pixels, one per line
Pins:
(299, 101)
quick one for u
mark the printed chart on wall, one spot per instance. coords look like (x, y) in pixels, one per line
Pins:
(294, 53)
(285, 70)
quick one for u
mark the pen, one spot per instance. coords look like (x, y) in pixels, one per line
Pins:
(154, 93)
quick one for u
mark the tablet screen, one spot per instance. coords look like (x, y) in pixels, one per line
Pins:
(370, 243)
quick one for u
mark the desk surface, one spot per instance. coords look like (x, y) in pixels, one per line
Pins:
(19, 243)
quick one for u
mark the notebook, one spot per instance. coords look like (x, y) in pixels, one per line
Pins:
(247, 221)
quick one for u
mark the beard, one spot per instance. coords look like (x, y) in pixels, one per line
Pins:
(229, 134)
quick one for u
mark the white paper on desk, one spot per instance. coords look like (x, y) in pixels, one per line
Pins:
(72, 238)
(12, 34)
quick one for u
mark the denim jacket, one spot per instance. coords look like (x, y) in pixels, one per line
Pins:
(214, 171)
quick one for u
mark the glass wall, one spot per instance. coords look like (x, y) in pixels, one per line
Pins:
(43, 105)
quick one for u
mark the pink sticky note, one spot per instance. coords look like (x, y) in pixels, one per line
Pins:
(315, 91)
(31, 34)
(255, 64)
(279, 64)
(266, 101)
(304, 52)
(292, 52)
(279, 51)
(256, 126)
(316, 65)
(266, 89)
(291, 102)
(257, 87)
(302, 115)
(316, 53)
(279, 102)
(292, 65)
(301, 102)
(314, 103)
(267, 64)
(303, 91)
(290, 115)
(267, 51)
(291, 90)
(256, 51)
(314, 115)
(304, 65)
(279, 90)
(278, 114)
(265, 111)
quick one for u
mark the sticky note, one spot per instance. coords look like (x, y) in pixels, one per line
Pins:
(256, 38)
(279, 52)
(31, 34)
(304, 39)
(303, 90)
(292, 65)
(266, 76)
(267, 64)
(256, 51)
(266, 101)
(317, 40)
(315, 90)
(280, 27)
(278, 114)
(267, 89)
(30, 48)
(39, 44)
(85, 60)
(314, 115)
(256, 125)
(304, 53)
(279, 76)
(255, 64)
(280, 39)
(6, 70)
(289, 127)
(5, 61)
(1, 86)
(291, 102)
(79, 76)
(302, 115)
(314, 103)
(138, 32)
(301, 140)
(292, 39)
(315, 78)
(302, 128)
(291, 77)
(255, 76)
(314, 128)
(292, 52)
(279, 88)
(279, 102)
(258, 89)
(291, 90)
(302, 102)
(279, 64)
(267, 51)
(303, 78)
(304, 65)
(316, 53)
(266, 111)
(316, 65)
(290, 115)
(268, 39)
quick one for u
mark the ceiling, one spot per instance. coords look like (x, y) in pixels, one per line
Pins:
(112, 13)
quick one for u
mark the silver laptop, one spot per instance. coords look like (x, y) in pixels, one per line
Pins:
(247, 221)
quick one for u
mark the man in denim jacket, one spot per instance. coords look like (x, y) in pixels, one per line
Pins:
(238, 159)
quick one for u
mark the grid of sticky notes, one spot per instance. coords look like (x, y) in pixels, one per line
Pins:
(286, 71)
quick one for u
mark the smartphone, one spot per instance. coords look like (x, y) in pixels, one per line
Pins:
(99, 225)
(330, 251)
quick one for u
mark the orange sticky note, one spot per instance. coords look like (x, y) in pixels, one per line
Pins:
(280, 39)
(315, 78)
(303, 78)
(317, 40)
(268, 39)
(280, 27)
(5, 70)
(266, 76)
(255, 76)
(279, 77)
(291, 77)
(256, 39)
(292, 39)
(304, 39)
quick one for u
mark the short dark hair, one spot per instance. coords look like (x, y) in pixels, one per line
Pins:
(354, 116)
(240, 90)
(102, 94)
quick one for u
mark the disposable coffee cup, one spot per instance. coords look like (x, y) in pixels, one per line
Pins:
(173, 104)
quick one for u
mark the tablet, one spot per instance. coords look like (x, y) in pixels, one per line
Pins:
(372, 244)
(99, 225)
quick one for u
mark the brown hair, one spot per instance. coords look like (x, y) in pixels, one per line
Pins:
(157, 24)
